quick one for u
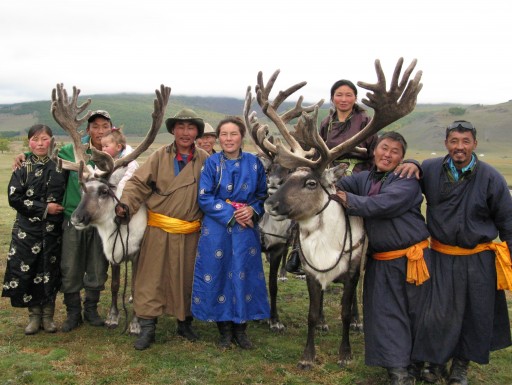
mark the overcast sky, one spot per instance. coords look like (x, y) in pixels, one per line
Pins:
(217, 47)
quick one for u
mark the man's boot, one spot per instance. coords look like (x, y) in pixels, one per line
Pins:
(147, 333)
(400, 376)
(226, 334)
(92, 297)
(459, 372)
(185, 329)
(73, 310)
(293, 265)
(34, 320)
(48, 312)
(240, 336)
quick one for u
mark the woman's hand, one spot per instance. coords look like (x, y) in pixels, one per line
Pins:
(243, 216)
(55, 208)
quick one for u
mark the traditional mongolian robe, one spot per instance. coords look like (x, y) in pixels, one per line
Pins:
(229, 282)
(467, 316)
(392, 216)
(33, 275)
(163, 283)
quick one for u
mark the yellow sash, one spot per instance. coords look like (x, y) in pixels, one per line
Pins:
(503, 262)
(172, 225)
(417, 271)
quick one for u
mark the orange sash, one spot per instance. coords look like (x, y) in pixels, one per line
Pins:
(173, 225)
(417, 271)
(503, 262)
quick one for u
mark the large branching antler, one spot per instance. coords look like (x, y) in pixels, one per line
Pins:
(389, 106)
(259, 132)
(65, 111)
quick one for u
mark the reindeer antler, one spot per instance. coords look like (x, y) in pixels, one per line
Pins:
(160, 105)
(65, 111)
(389, 106)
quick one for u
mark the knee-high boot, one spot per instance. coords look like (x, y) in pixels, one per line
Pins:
(73, 310)
(34, 320)
(226, 334)
(147, 333)
(240, 336)
(48, 312)
(92, 297)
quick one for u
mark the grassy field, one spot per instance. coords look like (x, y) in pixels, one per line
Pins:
(91, 355)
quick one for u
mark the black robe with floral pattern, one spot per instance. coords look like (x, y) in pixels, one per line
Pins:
(32, 276)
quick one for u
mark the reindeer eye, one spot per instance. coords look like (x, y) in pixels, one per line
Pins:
(311, 183)
(104, 191)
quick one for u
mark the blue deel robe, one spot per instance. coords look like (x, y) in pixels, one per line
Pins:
(229, 282)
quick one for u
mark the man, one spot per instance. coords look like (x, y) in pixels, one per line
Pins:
(468, 207)
(208, 140)
(396, 278)
(167, 183)
(83, 264)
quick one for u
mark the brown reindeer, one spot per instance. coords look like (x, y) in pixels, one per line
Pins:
(332, 245)
(121, 242)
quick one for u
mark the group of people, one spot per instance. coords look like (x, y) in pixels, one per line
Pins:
(433, 290)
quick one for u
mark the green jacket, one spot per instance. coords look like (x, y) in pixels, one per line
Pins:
(72, 195)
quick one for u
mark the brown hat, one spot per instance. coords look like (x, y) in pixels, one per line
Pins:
(208, 130)
(184, 115)
(102, 113)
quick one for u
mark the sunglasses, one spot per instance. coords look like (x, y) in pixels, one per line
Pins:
(464, 126)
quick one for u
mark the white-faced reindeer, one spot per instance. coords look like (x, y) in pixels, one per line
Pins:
(332, 244)
(121, 242)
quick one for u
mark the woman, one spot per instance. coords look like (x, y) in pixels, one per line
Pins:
(344, 121)
(229, 283)
(33, 276)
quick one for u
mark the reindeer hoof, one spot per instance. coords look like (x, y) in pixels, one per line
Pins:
(111, 323)
(276, 326)
(322, 327)
(305, 365)
(356, 327)
(282, 278)
(134, 329)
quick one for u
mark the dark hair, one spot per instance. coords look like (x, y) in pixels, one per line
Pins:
(235, 120)
(461, 126)
(394, 136)
(348, 83)
(37, 128)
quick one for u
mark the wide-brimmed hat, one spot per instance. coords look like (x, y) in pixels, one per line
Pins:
(184, 115)
(102, 113)
(208, 130)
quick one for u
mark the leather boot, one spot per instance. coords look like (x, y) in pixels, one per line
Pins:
(226, 334)
(92, 297)
(48, 312)
(185, 329)
(147, 333)
(73, 310)
(293, 265)
(459, 372)
(34, 320)
(240, 336)
(415, 369)
(400, 376)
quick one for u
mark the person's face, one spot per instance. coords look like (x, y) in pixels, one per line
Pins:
(460, 146)
(344, 99)
(206, 142)
(109, 146)
(388, 154)
(185, 133)
(97, 129)
(230, 139)
(39, 143)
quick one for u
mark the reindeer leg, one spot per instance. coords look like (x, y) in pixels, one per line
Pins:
(315, 297)
(345, 351)
(112, 320)
(355, 323)
(282, 270)
(275, 257)
(322, 324)
(134, 327)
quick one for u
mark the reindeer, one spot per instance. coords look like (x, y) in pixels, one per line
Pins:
(121, 242)
(332, 244)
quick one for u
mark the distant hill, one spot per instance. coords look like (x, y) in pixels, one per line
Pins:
(423, 128)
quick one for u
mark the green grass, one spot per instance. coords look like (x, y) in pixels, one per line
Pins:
(92, 355)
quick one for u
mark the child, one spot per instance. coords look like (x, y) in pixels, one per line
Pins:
(32, 277)
(115, 145)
